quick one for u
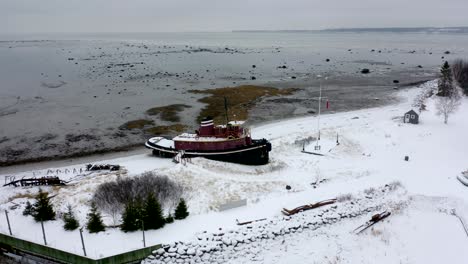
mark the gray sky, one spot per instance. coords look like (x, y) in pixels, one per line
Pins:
(222, 15)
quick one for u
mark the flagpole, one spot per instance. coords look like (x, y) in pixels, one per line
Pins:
(319, 110)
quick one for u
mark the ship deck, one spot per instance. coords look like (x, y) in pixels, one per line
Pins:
(187, 137)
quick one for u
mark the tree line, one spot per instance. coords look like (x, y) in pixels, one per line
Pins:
(138, 214)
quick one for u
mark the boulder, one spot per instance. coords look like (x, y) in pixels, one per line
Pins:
(227, 241)
(159, 251)
(180, 251)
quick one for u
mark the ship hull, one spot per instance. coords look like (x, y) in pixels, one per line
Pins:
(255, 154)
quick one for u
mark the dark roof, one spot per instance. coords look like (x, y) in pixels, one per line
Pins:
(411, 112)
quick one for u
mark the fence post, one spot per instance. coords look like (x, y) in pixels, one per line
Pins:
(82, 241)
(43, 233)
(8, 222)
(143, 229)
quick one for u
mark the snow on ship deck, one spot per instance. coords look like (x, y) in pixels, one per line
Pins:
(162, 142)
(196, 138)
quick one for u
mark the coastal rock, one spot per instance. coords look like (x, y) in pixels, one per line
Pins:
(172, 250)
(159, 251)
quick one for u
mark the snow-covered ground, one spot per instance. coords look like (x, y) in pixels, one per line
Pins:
(373, 144)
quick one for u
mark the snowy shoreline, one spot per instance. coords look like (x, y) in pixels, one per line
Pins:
(131, 150)
(373, 144)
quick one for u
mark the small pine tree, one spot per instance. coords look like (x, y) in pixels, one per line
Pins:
(181, 210)
(94, 224)
(445, 84)
(152, 214)
(169, 219)
(28, 210)
(42, 209)
(71, 223)
(131, 216)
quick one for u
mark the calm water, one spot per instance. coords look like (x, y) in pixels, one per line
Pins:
(62, 84)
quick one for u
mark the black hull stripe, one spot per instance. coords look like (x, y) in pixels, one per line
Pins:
(205, 153)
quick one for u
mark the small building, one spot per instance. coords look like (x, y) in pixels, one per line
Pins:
(411, 117)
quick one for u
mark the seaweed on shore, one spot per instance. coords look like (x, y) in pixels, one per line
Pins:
(136, 124)
(240, 100)
(165, 130)
(169, 112)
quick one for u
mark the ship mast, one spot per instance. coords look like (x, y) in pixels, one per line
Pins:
(226, 110)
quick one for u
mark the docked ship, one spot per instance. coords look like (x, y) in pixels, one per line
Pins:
(230, 142)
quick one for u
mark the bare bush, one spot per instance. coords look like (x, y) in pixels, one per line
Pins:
(370, 191)
(344, 197)
(111, 197)
(394, 185)
(304, 141)
(420, 100)
(460, 74)
(446, 106)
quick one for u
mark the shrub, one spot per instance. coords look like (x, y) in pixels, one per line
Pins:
(42, 209)
(169, 219)
(71, 223)
(181, 210)
(94, 224)
(152, 214)
(131, 217)
(112, 197)
(28, 210)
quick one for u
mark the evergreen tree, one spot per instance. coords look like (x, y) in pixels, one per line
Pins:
(152, 214)
(42, 209)
(169, 219)
(94, 224)
(445, 84)
(28, 210)
(71, 223)
(181, 210)
(131, 216)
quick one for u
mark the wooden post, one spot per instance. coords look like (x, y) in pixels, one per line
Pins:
(43, 233)
(143, 230)
(8, 222)
(82, 241)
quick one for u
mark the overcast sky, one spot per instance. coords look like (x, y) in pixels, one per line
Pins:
(223, 15)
